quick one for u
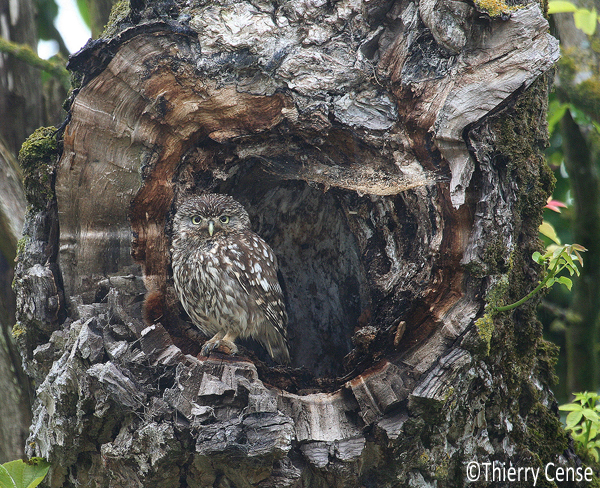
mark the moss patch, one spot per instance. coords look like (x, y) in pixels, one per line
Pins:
(38, 158)
(119, 12)
(18, 330)
(485, 329)
(495, 8)
(22, 243)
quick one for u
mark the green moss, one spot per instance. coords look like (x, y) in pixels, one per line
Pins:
(518, 351)
(544, 426)
(424, 459)
(21, 243)
(485, 329)
(55, 66)
(547, 354)
(494, 256)
(441, 472)
(494, 8)
(18, 330)
(38, 158)
(119, 12)
(523, 136)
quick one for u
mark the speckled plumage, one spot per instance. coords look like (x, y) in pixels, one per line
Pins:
(227, 281)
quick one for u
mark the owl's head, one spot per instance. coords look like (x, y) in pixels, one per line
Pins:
(209, 215)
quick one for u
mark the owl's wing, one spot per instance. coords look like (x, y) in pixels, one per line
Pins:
(256, 272)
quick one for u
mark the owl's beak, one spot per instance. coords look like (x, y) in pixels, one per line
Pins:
(211, 227)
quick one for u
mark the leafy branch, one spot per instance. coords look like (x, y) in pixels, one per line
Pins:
(25, 53)
(584, 421)
(556, 259)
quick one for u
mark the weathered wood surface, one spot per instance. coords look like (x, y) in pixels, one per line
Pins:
(363, 139)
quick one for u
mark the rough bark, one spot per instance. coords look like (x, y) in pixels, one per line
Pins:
(389, 152)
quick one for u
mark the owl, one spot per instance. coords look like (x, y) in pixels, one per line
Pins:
(225, 276)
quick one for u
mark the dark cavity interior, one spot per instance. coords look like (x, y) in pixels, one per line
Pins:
(353, 267)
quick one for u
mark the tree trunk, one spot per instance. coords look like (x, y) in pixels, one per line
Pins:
(389, 152)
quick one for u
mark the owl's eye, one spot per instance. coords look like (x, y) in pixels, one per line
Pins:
(224, 219)
(196, 219)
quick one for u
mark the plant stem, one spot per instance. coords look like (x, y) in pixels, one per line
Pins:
(553, 272)
(588, 426)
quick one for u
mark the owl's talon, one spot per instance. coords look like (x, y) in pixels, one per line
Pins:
(221, 345)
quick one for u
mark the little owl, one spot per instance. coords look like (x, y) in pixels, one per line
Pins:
(226, 276)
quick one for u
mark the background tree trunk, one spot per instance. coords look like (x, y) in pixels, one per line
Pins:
(390, 154)
(99, 11)
(25, 104)
(21, 109)
(577, 83)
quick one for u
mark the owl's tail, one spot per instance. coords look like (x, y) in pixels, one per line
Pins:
(276, 346)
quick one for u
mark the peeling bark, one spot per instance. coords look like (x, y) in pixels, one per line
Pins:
(377, 160)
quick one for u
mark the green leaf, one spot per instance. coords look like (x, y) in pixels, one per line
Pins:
(556, 111)
(561, 6)
(537, 257)
(586, 20)
(563, 280)
(23, 474)
(582, 397)
(569, 260)
(573, 418)
(594, 452)
(558, 250)
(579, 116)
(6, 480)
(592, 433)
(593, 397)
(589, 414)
(548, 230)
(570, 407)
(84, 11)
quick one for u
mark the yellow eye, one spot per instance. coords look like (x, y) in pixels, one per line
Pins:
(224, 219)
(196, 219)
